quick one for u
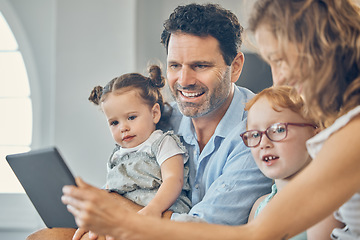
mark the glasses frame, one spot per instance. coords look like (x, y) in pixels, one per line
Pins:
(242, 135)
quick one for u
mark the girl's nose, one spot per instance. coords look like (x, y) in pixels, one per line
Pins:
(124, 127)
(265, 142)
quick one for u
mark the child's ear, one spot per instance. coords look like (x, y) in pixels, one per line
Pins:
(156, 113)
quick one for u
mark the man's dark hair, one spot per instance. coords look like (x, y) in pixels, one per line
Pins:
(205, 20)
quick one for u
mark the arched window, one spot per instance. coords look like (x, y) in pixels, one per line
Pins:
(15, 106)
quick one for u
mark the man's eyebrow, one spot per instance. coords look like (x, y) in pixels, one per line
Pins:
(202, 63)
(171, 61)
(196, 62)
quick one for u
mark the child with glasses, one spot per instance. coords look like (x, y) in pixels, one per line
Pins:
(277, 133)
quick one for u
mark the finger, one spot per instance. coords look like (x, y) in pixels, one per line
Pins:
(73, 201)
(78, 192)
(93, 235)
(73, 210)
(80, 183)
(79, 233)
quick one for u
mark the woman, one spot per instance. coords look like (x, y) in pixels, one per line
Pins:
(317, 45)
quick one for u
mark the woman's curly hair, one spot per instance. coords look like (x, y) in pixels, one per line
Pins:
(327, 35)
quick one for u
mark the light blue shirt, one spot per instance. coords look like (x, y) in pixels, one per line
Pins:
(224, 178)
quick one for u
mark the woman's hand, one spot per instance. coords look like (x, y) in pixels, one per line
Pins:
(94, 209)
(79, 233)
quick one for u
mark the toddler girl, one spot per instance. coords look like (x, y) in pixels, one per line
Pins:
(147, 165)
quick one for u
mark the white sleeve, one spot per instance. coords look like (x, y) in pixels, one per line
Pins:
(167, 149)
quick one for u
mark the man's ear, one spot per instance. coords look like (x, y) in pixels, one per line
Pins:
(156, 113)
(237, 66)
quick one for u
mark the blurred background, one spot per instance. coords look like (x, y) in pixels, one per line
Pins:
(52, 53)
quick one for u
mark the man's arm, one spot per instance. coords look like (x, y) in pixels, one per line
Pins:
(231, 196)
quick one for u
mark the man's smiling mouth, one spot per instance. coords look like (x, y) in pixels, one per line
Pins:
(191, 94)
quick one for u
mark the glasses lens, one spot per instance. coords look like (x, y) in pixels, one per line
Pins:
(277, 132)
(251, 138)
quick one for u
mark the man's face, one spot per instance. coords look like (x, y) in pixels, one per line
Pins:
(197, 74)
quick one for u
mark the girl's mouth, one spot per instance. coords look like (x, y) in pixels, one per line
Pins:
(269, 158)
(127, 138)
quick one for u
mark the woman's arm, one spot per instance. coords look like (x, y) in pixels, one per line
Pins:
(323, 229)
(255, 207)
(328, 182)
(172, 173)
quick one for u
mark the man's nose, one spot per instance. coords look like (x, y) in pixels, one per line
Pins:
(186, 77)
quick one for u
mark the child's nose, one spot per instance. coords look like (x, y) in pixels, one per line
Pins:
(124, 127)
(265, 142)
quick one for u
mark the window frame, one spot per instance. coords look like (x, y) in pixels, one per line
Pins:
(17, 211)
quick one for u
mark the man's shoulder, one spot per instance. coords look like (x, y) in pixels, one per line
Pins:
(244, 93)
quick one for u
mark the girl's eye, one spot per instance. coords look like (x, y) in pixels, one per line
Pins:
(280, 129)
(131, 118)
(254, 135)
(114, 123)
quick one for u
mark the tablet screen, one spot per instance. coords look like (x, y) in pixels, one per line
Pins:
(43, 173)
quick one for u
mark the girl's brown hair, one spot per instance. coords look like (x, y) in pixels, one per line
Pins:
(327, 34)
(147, 87)
(283, 97)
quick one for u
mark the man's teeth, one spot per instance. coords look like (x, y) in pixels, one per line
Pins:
(191, 94)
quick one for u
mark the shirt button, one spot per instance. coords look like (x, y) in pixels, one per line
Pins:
(197, 186)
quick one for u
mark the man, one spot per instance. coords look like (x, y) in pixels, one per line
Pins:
(203, 63)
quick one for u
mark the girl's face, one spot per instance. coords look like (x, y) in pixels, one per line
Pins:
(282, 61)
(284, 159)
(131, 120)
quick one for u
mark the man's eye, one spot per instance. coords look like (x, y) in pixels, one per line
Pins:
(114, 123)
(174, 66)
(131, 117)
(200, 66)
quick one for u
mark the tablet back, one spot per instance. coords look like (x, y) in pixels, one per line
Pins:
(43, 173)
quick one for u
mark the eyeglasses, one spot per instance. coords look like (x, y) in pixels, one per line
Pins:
(275, 133)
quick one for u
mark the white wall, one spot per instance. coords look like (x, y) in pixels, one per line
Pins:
(95, 41)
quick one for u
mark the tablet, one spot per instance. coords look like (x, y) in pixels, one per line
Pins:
(43, 173)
